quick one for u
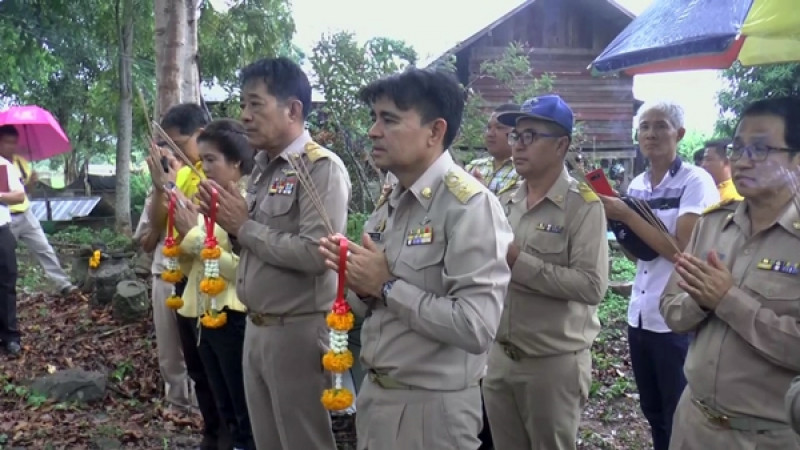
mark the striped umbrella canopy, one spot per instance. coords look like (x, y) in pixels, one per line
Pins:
(675, 35)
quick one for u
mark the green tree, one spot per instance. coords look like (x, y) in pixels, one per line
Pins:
(342, 67)
(748, 84)
(692, 141)
(513, 71)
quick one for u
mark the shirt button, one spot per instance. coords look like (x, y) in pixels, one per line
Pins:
(645, 272)
(747, 251)
(642, 292)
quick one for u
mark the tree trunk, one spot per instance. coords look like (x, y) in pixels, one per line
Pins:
(125, 119)
(190, 83)
(170, 16)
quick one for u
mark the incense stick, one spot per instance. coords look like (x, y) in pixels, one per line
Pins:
(304, 176)
(175, 149)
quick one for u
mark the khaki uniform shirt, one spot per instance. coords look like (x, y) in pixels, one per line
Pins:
(281, 271)
(446, 240)
(745, 352)
(561, 273)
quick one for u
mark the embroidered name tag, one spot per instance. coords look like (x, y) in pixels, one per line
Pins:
(376, 236)
(550, 228)
(420, 236)
(775, 265)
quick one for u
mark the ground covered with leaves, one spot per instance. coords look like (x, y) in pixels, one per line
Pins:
(61, 333)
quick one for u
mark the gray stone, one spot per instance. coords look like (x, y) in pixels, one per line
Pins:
(130, 303)
(622, 288)
(103, 281)
(71, 385)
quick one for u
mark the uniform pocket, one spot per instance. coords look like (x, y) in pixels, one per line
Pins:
(777, 291)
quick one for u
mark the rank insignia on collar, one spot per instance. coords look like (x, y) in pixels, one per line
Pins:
(775, 265)
(420, 236)
(550, 228)
(381, 226)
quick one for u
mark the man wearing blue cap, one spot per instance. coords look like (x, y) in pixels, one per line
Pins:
(539, 370)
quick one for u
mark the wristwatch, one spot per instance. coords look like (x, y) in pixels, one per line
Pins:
(385, 290)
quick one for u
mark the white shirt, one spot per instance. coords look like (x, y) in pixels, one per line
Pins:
(685, 189)
(14, 185)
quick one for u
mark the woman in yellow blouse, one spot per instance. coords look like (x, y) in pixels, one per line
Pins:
(227, 157)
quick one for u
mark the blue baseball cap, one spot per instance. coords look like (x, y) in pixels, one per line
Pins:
(550, 108)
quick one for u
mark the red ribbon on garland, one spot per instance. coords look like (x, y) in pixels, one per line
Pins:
(340, 305)
(211, 219)
(170, 240)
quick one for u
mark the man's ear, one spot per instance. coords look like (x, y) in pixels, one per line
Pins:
(295, 110)
(681, 133)
(438, 130)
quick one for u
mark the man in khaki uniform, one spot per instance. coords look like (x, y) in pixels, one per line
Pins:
(431, 273)
(282, 278)
(736, 287)
(540, 368)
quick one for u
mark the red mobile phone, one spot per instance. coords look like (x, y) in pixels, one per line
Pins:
(598, 181)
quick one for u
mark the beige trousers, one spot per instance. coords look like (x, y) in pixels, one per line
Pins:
(168, 345)
(536, 403)
(284, 380)
(399, 419)
(691, 430)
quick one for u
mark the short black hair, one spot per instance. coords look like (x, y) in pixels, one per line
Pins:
(698, 156)
(720, 147)
(187, 118)
(507, 107)
(787, 108)
(8, 130)
(434, 94)
(283, 77)
(230, 138)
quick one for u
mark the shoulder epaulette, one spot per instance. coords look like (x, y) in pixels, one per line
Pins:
(462, 185)
(316, 151)
(587, 193)
(720, 205)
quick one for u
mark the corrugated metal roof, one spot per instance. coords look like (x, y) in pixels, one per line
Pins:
(64, 209)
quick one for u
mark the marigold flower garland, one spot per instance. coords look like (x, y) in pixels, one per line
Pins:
(339, 359)
(212, 284)
(171, 251)
(94, 261)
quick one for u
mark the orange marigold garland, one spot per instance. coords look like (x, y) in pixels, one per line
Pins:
(339, 359)
(171, 251)
(212, 284)
(94, 261)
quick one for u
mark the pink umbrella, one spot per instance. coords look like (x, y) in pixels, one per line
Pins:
(40, 136)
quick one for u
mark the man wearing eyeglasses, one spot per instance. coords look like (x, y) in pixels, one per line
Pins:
(736, 286)
(539, 369)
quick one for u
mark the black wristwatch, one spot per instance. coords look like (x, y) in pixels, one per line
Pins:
(385, 290)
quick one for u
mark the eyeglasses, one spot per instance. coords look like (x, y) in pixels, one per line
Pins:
(756, 152)
(527, 137)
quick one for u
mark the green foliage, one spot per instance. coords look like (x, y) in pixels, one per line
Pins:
(691, 142)
(342, 67)
(513, 71)
(622, 269)
(86, 236)
(355, 226)
(249, 30)
(748, 84)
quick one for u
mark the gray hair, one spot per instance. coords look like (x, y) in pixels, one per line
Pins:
(672, 110)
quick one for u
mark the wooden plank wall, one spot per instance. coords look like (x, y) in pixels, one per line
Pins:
(564, 41)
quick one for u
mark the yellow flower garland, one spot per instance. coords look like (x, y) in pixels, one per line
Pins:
(172, 272)
(94, 261)
(339, 359)
(212, 284)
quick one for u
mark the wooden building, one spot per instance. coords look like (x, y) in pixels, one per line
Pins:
(563, 36)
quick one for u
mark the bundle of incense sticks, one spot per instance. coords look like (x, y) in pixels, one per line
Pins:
(639, 205)
(304, 176)
(175, 149)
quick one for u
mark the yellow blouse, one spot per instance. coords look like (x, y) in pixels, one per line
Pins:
(192, 265)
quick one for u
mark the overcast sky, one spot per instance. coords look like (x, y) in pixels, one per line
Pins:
(434, 26)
